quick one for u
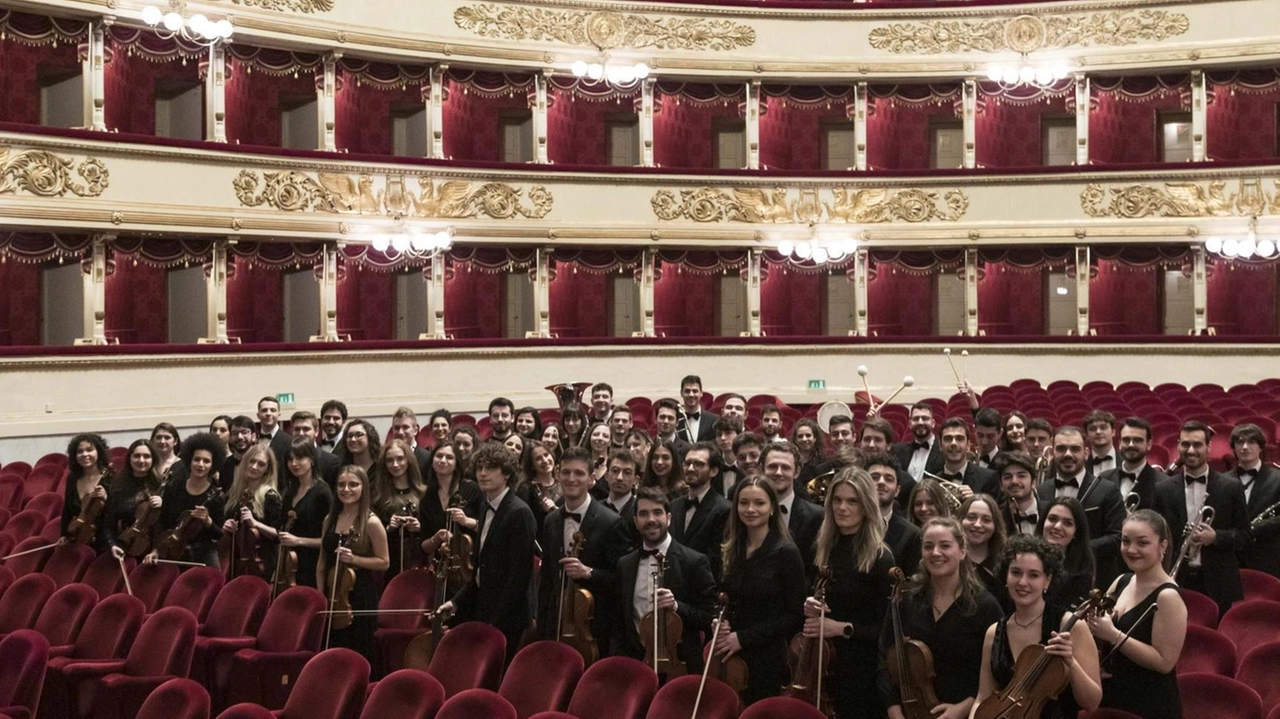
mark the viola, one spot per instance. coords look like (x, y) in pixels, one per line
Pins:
(810, 657)
(418, 654)
(173, 544)
(340, 579)
(661, 630)
(577, 608)
(286, 561)
(1038, 677)
(83, 529)
(910, 663)
(460, 566)
(732, 671)
(414, 558)
(136, 538)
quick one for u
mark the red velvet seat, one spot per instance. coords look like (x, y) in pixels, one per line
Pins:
(332, 685)
(45, 478)
(4, 516)
(1200, 609)
(65, 613)
(477, 704)
(404, 694)
(67, 564)
(24, 524)
(1274, 713)
(24, 655)
(676, 699)
(614, 688)
(49, 503)
(1206, 650)
(20, 468)
(150, 583)
(52, 530)
(106, 635)
(469, 656)
(117, 689)
(23, 600)
(1259, 585)
(105, 576)
(541, 678)
(781, 708)
(195, 590)
(176, 699)
(233, 619)
(6, 578)
(1209, 696)
(1260, 669)
(247, 710)
(30, 562)
(1250, 623)
(265, 671)
(412, 589)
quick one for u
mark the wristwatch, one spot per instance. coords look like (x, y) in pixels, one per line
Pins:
(848, 631)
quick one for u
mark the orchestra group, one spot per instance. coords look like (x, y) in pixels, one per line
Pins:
(986, 566)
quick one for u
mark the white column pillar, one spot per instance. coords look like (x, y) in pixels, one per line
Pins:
(971, 292)
(434, 274)
(215, 296)
(1199, 291)
(215, 95)
(754, 275)
(541, 278)
(1199, 116)
(435, 112)
(647, 277)
(539, 106)
(859, 117)
(969, 99)
(94, 271)
(646, 122)
(327, 102)
(1082, 290)
(93, 75)
(752, 112)
(1084, 92)
(328, 286)
(861, 275)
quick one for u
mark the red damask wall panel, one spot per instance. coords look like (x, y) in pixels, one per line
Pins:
(1009, 135)
(473, 303)
(1010, 301)
(900, 303)
(1122, 129)
(791, 136)
(1241, 125)
(366, 304)
(685, 303)
(255, 100)
(137, 302)
(255, 302)
(577, 129)
(1242, 298)
(792, 303)
(20, 303)
(20, 70)
(579, 302)
(683, 132)
(131, 89)
(1124, 299)
(364, 115)
(472, 123)
(898, 134)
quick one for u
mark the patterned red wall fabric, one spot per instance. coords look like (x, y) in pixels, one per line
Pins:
(1242, 298)
(898, 134)
(20, 68)
(683, 132)
(254, 102)
(1009, 135)
(686, 303)
(364, 115)
(1010, 301)
(1123, 129)
(131, 89)
(579, 302)
(577, 129)
(472, 123)
(137, 303)
(1242, 125)
(791, 136)
(792, 303)
(900, 303)
(255, 302)
(473, 303)
(366, 304)
(20, 303)
(1124, 299)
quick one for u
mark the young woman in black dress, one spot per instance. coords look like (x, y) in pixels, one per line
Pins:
(540, 488)
(573, 428)
(984, 536)
(1031, 564)
(1142, 678)
(1063, 525)
(360, 445)
(528, 423)
(661, 470)
(353, 536)
(927, 500)
(165, 441)
(256, 481)
(199, 495)
(441, 424)
(398, 491)
(851, 544)
(764, 578)
(309, 497)
(140, 482)
(89, 473)
(944, 606)
(444, 482)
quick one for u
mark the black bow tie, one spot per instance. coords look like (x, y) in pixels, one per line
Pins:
(1073, 482)
(1095, 461)
(651, 552)
(1203, 479)
(1250, 473)
(919, 445)
(575, 516)
(692, 503)
(1019, 518)
(693, 415)
(952, 476)
(1128, 475)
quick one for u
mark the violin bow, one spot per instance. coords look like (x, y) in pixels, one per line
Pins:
(124, 574)
(706, 666)
(27, 551)
(333, 594)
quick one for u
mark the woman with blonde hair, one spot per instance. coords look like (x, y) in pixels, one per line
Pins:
(927, 500)
(398, 491)
(254, 499)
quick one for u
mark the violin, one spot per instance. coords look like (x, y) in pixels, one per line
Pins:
(661, 630)
(340, 579)
(732, 671)
(910, 663)
(1039, 677)
(286, 562)
(414, 560)
(577, 608)
(240, 548)
(136, 538)
(83, 529)
(173, 544)
(810, 657)
(460, 564)
(418, 654)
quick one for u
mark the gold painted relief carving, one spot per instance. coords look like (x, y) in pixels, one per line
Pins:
(869, 206)
(333, 192)
(605, 29)
(303, 6)
(1178, 199)
(1028, 33)
(45, 174)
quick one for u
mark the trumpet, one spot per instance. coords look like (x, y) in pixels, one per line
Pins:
(1132, 501)
(952, 491)
(1190, 549)
(818, 486)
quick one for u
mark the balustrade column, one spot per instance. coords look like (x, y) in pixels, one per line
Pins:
(215, 296)
(539, 107)
(94, 271)
(1199, 291)
(646, 122)
(215, 95)
(93, 75)
(435, 112)
(859, 116)
(541, 278)
(326, 102)
(971, 292)
(647, 277)
(328, 286)
(752, 112)
(969, 100)
(434, 274)
(1084, 93)
(861, 275)
(1199, 116)
(753, 276)
(1082, 290)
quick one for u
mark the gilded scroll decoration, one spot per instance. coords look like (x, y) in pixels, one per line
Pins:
(302, 6)
(1028, 33)
(846, 206)
(335, 192)
(604, 29)
(1179, 199)
(45, 174)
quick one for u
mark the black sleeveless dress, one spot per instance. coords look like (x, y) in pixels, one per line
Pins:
(1136, 689)
(1002, 661)
(364, 596)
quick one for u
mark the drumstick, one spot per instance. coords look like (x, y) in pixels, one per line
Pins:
(947, 351)
(862, 372)
(125, 574)
(906, 382)
(27, 551)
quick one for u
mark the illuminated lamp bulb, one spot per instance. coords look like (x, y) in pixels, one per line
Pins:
(1213, 244)
(1010, 76)
(804, 250)
(786, 247)
(1061, 71)
(642, 70)
(198, 23)
(152, 15)
(172, 22)
(224, 29)
(400, 243)
(579, 68)
(1246, 248)
(1026, 74)
(1230, 247)
(836, 251)
(421, 243)
(820, 255)
(1044, 76)
(595, 71)
(994, 73)
(1266, 249)
(381, 243)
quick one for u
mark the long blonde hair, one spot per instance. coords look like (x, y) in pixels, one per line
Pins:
(870, 537)
(241, 482)
(734, 549)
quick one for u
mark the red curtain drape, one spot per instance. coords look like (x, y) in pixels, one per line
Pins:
(255, 302)
(579, 302)
(577, 127)
(1011, 300)
(21, 67)
(137, 297)
(473, 302)
(685, 303)
(472, 114)
(1122, 121)
(366, 303)
(131, 81)
(791, 133)
(364, 114)
(1124, 299)
(1241, 124)
(20, 303)
(1242, 297)
(1008, 132)
(792, 303)
(900, 303)
(255, 99)
(684, 126)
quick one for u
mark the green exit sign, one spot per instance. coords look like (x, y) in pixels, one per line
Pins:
(817, 384)
(285, 398)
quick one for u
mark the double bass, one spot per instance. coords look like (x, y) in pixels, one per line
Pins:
(910, 663)
(340, 579)
(576, 610)
(286, 562)
(661, 630)
(810, 657)
(731, 671)
(136, 538)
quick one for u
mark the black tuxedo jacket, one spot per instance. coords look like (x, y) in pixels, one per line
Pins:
(903, 539)
(706, 428)
(1104, 513)
(1148, 478)
(1263, 552)
(328, 465)
(498, 594)
(804, 520)
(902, 451)
(979, 479)
(628, 515)
(1219, 563)
(606, 540)
(706, 532)
(1007, 513)
(423, 456)
(689, 579)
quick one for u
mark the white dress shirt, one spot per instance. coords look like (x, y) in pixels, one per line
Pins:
(1197, 493)
(571, 526)
(642, 595)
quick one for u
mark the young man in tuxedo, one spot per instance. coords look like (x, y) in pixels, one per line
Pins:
(699, 424)
(922, 453)
(697, 518)
(404, 427)
(601, 403)
(1134, 475)
(1100, 425)
(988, 430)
(1038, 437)
(1216, 572)
(956, 466)
(687, 585)
(901, 536)
(498, 592)
(620, 422)
(1103, 506)
(781, 462)
(877, 437)
(727, 430)
(623, 473)
(605, 539)
(1021, 508)
(1261, 484)
(270, 432)
(502, 417)
(735, 405)
(771, 424)
(333, 418)
(666, 422)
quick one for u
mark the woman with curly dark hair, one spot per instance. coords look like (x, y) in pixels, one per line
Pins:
(88, 474)
(360, 445)
(199, 497)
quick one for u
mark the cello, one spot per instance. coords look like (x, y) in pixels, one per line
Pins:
(910, 663)
(810, 657)
(340, 579)
(577, 608)
(661, 630)
(732, 671)
(286, 562)
(136, 538)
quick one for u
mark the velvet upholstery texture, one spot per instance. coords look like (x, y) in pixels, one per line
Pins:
(469, 656)
(542, 677)
(614, 688)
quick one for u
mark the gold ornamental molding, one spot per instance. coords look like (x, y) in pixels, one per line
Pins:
(45, 174)
(1181, 199)
(333, 192)
(867, 206)
(1028, 33)
(302, 6)
(604, 29)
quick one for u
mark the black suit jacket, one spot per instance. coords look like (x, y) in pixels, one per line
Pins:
(902, 451)
(706, 532)
(980, 479)
(498, 594)
(1148, 478)
(689, 579)
(606, 540)
(1104, 513)
(628, 515)
(328, 466)
(279, 446)
(903, 539)
(706, 428)
(1007, 513)
(804, 520)
(423, 455)
(1219, 563)
(1263, 551)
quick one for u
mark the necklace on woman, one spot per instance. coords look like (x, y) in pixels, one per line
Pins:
(1029, 624)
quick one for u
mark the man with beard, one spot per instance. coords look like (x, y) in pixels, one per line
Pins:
(697, 519)
(901, 536)
(1216, 571)
(244, 434)
(1134, 474)
(333, 417)
(687, 585)
(771, 424)
(922, 453)
(1103, 506)
(502, 417)
(735, 405)
(1261, 483)
(956, 466)
(1100, 425)
(988, 430)
(622, 475)
(1021, 508)
(619, 424)
(404, 427)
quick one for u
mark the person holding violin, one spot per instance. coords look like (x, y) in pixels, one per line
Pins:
(851, 544)
(444, 482)
(765, 580)
(191, 510)
(398, 492)
(1030, 566)
(139, 484)
(944, 607)
(687, 586)
(85, 496)
(540, 488)
(310, 499)
(255, 502)
(352, 536)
